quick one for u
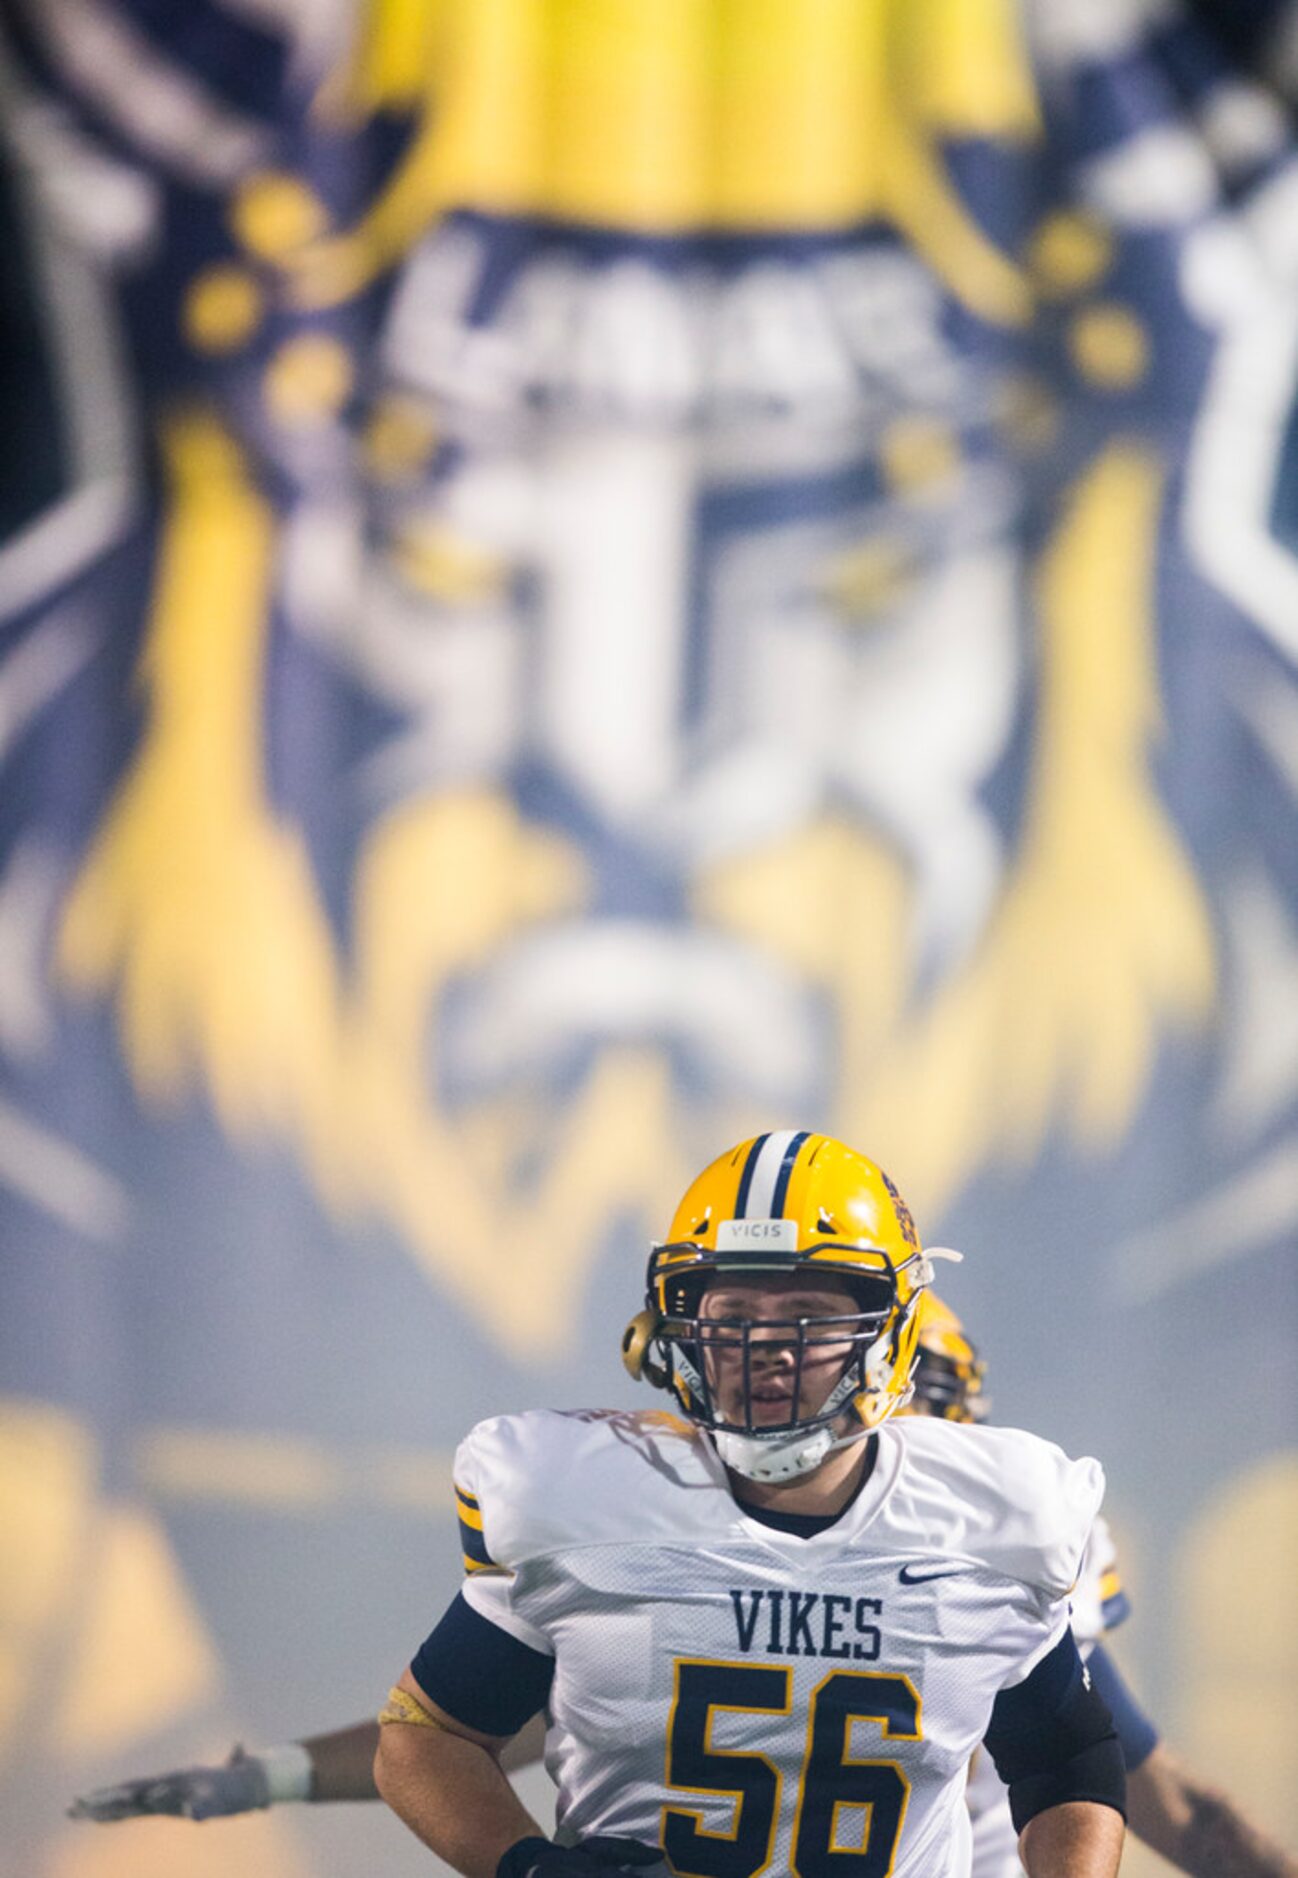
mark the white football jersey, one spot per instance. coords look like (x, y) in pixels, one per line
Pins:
(1099, 1603)
(754, 1701)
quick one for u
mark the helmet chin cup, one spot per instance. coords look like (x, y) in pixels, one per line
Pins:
(780, 1457)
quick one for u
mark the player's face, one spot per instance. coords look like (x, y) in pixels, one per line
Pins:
(773, 1306)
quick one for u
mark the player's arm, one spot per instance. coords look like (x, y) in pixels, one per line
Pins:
(242, 1783)
(444, 1779)
(334, 1766)
(471, 1687)
(1055, 1746)
(1075, 1839)
(342, 1763)
(1190, 1824)
(1195, 1827)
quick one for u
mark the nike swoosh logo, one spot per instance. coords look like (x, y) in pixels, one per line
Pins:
(909, 1577)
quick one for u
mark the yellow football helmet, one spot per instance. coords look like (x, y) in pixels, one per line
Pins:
(948, 1371)
(785, 1202)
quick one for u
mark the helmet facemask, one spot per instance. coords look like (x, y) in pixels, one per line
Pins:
(752, 1381)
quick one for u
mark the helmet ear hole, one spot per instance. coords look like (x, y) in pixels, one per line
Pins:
(637, 1350)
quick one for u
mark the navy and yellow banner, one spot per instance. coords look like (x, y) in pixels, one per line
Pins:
(579, 580)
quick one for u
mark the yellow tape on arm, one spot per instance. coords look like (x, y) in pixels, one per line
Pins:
(402, 1707)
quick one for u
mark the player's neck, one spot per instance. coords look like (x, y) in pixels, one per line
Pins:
(827, 1490)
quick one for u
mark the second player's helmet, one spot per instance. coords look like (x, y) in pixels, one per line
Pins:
(948, 1369)
(793, 1203)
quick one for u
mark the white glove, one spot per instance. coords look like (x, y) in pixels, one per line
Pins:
(243, 1784)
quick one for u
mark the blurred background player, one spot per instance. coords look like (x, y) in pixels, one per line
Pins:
(1196, 1828)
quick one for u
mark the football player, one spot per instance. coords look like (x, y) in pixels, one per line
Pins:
(768, 1631)
(1196, 1829)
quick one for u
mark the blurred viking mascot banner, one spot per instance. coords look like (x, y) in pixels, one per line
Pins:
(579, 580)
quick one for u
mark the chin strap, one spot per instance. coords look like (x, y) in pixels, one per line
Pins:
(781, 1457)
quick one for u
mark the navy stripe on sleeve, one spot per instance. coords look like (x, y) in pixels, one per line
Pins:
(481, 1675)
(474, 1545)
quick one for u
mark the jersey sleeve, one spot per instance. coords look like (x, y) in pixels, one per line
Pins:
(500, 1491)
(481, 1672)
(1055, 1527)
(493, 1487)
(1100, 1601)
(468, 1509)
(1038, 1513)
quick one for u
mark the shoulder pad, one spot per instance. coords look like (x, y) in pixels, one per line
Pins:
(544, 1481)
(1016, 1503)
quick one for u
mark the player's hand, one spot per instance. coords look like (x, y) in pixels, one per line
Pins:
(600, 1857)
(239, 1786)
